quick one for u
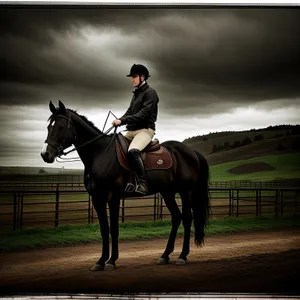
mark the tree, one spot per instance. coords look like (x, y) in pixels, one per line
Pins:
(258, 138)
(280, 147)
(215, 148)
(220, 147)
(226, 145)
(246, 141)
(236, 144)
(296, 144)
(296, 130)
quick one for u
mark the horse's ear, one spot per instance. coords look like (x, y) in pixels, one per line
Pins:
(62, 107)
(52, 107)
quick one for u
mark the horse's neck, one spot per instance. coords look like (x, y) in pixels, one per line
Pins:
(86, 133)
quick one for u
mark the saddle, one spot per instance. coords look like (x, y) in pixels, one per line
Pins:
(154, 156)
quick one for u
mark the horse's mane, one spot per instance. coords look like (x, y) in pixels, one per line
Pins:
(84, 118)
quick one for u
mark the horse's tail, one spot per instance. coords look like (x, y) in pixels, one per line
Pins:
(201, 200)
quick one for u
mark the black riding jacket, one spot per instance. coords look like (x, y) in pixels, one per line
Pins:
(143, 109)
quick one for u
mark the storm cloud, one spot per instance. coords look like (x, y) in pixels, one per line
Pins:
(204, 62)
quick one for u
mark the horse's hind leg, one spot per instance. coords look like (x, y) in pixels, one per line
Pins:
(171, 204)
(187, 219)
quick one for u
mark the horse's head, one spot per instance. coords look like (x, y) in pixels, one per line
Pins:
(60, 133)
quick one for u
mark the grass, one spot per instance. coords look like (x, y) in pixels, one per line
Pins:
(287, 167)
(70, 235)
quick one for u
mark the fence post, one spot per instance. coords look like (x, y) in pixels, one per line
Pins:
(56, 205)
(15, 211)
(237, 203)
(281, 200)
(230, 203)
(256, 202)
(259, 197)
(89, 210)
(22, 204)
(295, 204)
(276, 203)
(123, 210)
(161, 207)
(154, 208)
(92, 211)
(18, 209)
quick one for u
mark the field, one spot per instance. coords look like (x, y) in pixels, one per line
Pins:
(285, 166)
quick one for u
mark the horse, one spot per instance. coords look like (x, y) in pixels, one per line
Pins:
(106, 178)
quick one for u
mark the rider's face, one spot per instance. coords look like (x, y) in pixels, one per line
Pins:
(135, 79)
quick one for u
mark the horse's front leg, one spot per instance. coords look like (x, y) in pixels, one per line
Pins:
(100, 207)
(114, 209)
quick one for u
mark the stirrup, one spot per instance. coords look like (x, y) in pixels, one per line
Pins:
(130, 188)
(139, 191)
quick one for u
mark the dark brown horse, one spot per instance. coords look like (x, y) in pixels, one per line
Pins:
(105, 180)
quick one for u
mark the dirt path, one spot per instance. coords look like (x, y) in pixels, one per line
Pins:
(260, 262)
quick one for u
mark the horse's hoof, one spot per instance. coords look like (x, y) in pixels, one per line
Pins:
(109, 267)
(96, 267)
(163, 261)
(181, 262)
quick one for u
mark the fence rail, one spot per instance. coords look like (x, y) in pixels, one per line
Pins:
(61, 204)
(77, 181)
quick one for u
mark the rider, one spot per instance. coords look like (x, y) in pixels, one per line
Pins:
(140, 119)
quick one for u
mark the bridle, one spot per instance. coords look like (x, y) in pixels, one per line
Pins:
(60, 148)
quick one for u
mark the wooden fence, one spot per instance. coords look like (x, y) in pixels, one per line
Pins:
(46, 205)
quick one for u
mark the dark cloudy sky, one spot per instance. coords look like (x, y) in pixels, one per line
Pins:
(214, 69)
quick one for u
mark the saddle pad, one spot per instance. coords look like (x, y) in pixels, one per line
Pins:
(158, 159)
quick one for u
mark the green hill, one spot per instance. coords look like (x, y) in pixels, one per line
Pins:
(223, 147)
(270, 146)
(264, 168)
(270, 153)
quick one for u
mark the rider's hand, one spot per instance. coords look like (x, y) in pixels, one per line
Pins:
(116, 123)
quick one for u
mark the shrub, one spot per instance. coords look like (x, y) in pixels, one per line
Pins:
(246, 141)
(236, 144)
(280, 147)
(258, 138)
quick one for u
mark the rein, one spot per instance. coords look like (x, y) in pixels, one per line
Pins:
(83, 145)
(89, 142)
(60, 149)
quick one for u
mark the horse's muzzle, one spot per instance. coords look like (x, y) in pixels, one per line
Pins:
(47, 157)
(47, 154)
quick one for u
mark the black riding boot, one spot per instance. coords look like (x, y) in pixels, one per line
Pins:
(136, 164)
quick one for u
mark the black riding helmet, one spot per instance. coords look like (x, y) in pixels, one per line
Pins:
(138, 69)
